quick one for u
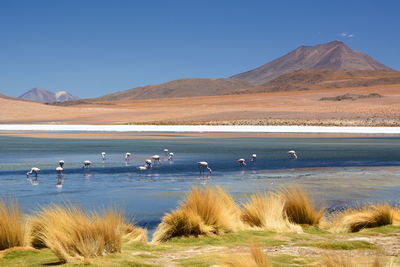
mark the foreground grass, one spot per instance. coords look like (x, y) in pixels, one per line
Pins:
(240, 238)
(208, 228)
(281, 249)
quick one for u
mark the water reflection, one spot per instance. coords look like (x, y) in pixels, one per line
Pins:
(33, 181)
(60, 181)
(87, 174)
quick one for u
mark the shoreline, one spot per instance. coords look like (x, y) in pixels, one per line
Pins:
(201, 128)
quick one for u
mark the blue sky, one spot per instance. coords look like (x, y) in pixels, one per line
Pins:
(94, 47)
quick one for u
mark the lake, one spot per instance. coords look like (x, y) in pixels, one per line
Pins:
(337, 171)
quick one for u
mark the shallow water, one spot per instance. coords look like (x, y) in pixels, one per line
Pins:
(338, 171)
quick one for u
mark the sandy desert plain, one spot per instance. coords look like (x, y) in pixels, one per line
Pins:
(272, 108)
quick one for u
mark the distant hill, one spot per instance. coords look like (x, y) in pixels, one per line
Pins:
(42, 95)
(4, 96)
(180, 88)
(333, 55)
(325, 79)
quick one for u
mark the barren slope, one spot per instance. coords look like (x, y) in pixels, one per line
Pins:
(325, 79)
(180, 88)
(296, 107)
(332, 55)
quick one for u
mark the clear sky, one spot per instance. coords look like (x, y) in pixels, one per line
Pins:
(94, 47)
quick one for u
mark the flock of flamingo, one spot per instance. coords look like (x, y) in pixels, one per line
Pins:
(155, 160)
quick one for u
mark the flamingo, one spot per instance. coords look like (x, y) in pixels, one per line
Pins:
(86, 164)
(242, 162)
(61, 163)
(171, 156)
(253, 158)
(156, 159)
(166, 151)
(147, 165)
(103, 155)
(292, 154)
(203, 165)
(127, 156)
(34, 170)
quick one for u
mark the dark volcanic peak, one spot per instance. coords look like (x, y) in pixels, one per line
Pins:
(39, 95)
(333, 55)
(180, 88)
(42, 95)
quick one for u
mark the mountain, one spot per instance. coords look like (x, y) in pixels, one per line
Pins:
(42, 95)
(325, 79)
(4, 96)
(180, 88)
(39, 95)
(63, 96)
(333, 55)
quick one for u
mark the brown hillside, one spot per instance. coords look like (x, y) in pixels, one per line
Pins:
(325, 79)
(180, 88)
(333, 55)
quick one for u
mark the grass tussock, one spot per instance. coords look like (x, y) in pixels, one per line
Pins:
(354, 220)
(76, 236)
(267, 211)
(35, 226)
(135, 234)
(299, 207)
(205, 211)
(396, 216)
(257, 258)
(12, 226)
(336, 260)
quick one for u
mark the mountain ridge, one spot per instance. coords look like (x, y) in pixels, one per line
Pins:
(179, 88)
(331, 55)
(45, 96)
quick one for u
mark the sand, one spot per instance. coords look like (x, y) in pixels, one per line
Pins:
(277, 108)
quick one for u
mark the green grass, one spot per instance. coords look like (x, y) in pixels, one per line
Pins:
(339, 245)
(387, 229)
(288, 260)
(315, 231)
(199, 261)
(44, 257)
(29, 258)
(146, 247)
(241, 238)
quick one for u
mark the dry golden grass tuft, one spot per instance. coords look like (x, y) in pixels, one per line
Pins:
(205, 211)
(76, 236)
(336, 260)
(35, 227)
(135, 234)
(257, 259)
(266, 211)
(353, 220)
(396, 216)
(299, 208)
(13, 231)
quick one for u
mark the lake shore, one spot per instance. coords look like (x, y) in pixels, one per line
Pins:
(201, 128)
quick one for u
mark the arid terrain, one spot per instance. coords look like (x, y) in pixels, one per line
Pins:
(293, 107)
(326, 84)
